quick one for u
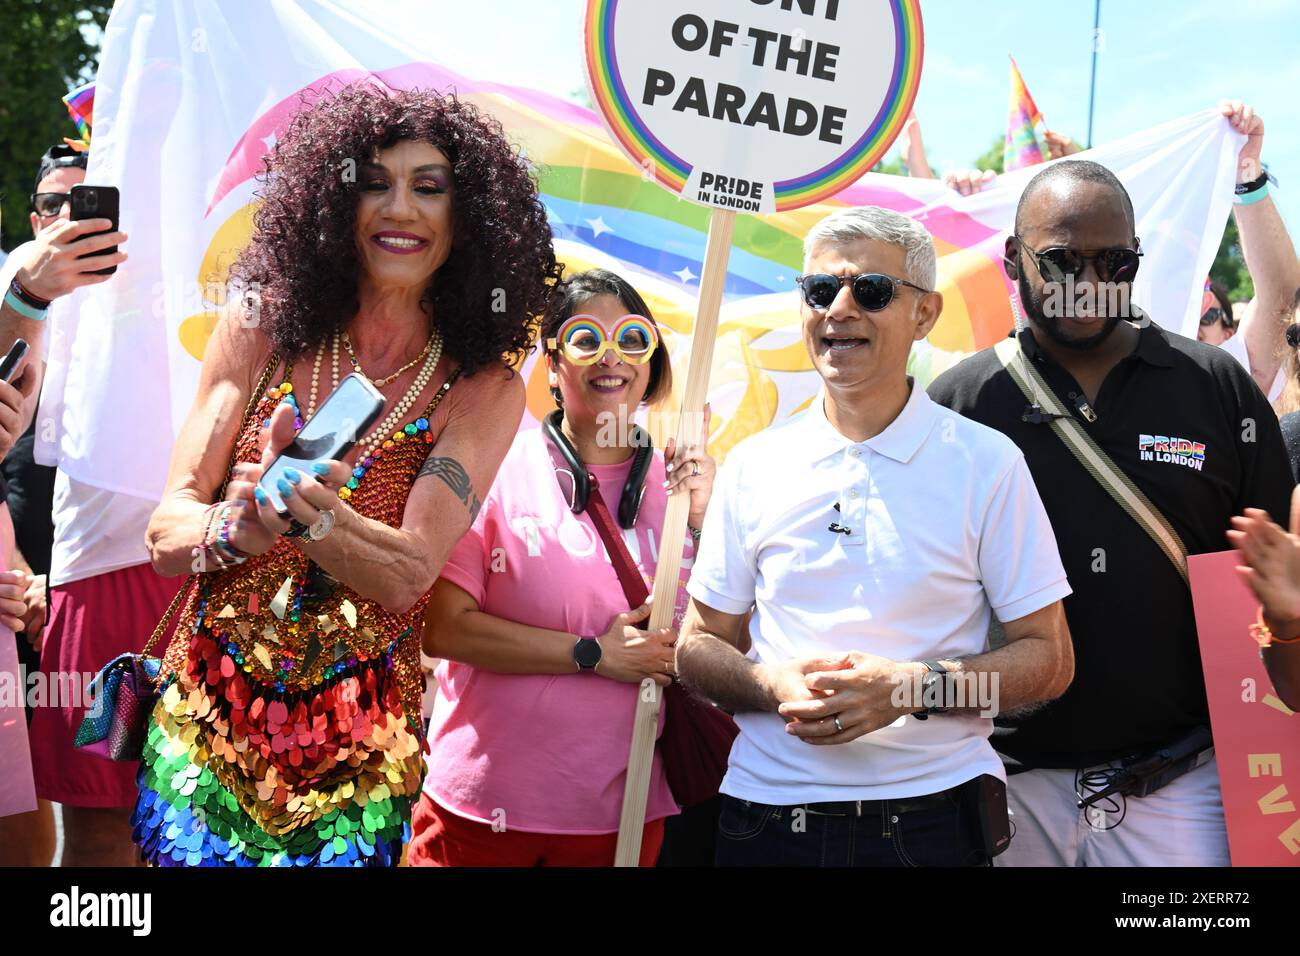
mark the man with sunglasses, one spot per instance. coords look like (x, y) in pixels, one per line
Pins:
(870, 536)
(1255, 334)
(1195, 442)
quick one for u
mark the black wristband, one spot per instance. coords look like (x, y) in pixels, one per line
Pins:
(1243, 189)
(296, 529)
(27, 297)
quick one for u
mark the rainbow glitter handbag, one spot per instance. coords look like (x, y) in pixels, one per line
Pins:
(125, 690)
(123, 693)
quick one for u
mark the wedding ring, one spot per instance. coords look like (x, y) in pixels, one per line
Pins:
(696, 466)
(838, 726)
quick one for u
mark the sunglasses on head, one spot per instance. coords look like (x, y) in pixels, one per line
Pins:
(872, 290)
(1112, 265)
(583, 339)
(49, 204)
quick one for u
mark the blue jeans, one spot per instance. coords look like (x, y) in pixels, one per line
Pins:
(874, 833)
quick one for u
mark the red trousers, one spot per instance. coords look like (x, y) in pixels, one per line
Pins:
(442, 838)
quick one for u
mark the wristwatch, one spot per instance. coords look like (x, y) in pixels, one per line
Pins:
(586, 653)
(935, 685)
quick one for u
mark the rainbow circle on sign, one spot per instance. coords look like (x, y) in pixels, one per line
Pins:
(625, 115)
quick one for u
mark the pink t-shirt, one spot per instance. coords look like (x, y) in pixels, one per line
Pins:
(544, 753)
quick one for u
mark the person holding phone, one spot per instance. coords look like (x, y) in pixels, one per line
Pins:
(542, 657)
(288, 730)
(108, 583)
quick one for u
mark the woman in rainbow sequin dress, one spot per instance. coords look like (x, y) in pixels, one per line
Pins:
(399, 236)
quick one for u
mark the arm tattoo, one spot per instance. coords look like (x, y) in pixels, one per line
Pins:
(456, 478)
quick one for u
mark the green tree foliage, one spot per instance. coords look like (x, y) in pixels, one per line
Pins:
(582, 96)
(47, 47)
(992, 157)
(894, 166)
(1229, 268)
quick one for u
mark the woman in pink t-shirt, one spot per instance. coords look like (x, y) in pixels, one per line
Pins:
(541, 657)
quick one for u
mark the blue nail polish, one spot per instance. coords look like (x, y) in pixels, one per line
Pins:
(293, 474)
(285, 489)
(321, 467)
(260, 495)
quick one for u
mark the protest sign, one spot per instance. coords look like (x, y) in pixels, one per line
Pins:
(764, 105)
(760, 106)
(1256, 736)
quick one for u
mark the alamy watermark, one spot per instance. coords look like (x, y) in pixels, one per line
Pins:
(65, 689)
(959, 690)
(1068, 299)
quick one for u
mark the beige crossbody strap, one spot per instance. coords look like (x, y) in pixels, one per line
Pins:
(1097, 463)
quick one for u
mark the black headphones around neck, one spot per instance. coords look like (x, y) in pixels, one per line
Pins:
(575, 481)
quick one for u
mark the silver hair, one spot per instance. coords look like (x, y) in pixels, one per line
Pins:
(884, 225)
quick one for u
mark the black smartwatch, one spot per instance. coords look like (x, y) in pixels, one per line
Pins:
(586, 653)
(934, 686)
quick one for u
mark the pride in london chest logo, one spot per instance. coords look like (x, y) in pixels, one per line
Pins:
(1177, 451)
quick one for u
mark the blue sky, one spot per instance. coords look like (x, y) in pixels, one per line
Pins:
(1158, 59)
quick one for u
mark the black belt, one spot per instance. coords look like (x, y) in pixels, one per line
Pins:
(949, 798)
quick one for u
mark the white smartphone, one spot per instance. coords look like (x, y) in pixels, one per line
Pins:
(338, 424)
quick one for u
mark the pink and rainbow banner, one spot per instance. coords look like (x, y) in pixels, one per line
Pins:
(186, 157)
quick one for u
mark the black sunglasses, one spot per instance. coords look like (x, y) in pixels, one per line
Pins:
(1112, 265)
(1213, 316)
(49, 204)
(872, 290)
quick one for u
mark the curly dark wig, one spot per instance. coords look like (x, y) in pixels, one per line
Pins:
(501, 274)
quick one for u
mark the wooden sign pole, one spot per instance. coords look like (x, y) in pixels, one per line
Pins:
(668, 571)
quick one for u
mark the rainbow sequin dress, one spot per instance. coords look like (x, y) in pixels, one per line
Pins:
(287, 732)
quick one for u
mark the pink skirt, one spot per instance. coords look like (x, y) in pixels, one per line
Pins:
(90, 622)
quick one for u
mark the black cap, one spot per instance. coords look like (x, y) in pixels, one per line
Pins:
(57, 157)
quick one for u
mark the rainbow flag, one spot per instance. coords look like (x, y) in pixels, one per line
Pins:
(1024, 144)
(81, 107)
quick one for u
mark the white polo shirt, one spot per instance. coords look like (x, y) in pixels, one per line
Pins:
(944, 522)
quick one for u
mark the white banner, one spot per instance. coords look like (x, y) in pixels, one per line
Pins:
(187, 98)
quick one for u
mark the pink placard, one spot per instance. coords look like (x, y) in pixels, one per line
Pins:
(17, 791)
(1256, 736)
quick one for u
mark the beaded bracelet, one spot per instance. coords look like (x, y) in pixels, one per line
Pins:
(214, 558)
(223, 542)
(208, 514)
(205, 546)
(1264, 635)
(217, 548)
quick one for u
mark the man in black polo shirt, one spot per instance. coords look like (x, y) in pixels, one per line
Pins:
(1188, 426)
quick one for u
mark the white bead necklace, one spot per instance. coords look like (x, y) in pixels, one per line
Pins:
(384, 431)
(315, 373)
